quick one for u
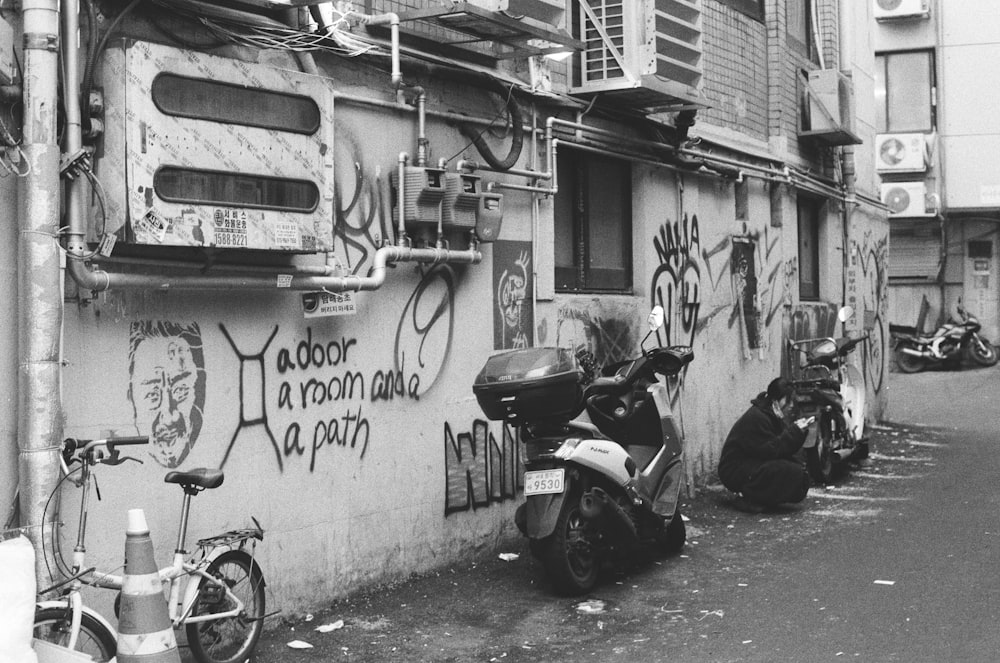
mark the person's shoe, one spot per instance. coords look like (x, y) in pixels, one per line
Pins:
(741, 503)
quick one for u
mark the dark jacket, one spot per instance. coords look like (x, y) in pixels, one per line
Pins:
(756, 437)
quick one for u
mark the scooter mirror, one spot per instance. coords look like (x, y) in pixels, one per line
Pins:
(655, 318)
(845, 313)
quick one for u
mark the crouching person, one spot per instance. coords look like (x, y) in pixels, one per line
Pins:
(760, 459)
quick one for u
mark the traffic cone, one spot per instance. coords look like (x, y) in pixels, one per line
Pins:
(144, 631)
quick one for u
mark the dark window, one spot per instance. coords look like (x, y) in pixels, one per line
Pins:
(980, 249)
(798, 26)
(752, 8)
(593, 223)
(809, 213)
(904, 92)
(234, 104)
(185, 185)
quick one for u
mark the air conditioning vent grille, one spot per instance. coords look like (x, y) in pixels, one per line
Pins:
(645, 54)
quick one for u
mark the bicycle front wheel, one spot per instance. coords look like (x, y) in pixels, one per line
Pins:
(231, 639)
(95, 640)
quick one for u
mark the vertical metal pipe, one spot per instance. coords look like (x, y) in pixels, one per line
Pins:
(39, 284)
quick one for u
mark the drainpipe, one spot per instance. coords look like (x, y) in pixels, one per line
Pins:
(39, 279)
(847, 151)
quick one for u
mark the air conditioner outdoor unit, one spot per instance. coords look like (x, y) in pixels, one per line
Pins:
(828, 102)
(546, 11)
(905, 198)
(901, 153)
(893, 9)
(643, 54)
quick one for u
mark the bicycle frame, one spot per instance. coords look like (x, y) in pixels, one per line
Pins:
(175, 574)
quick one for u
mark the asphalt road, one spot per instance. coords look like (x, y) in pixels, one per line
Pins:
(897, 561)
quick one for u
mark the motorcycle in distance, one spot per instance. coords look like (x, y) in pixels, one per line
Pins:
(830, 389)
(955, 339)
(598, 490)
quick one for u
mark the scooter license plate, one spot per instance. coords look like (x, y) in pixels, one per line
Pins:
(543, 482)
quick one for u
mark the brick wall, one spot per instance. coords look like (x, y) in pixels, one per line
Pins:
(735, 81)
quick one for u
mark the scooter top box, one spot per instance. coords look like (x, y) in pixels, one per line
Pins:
(534, 384)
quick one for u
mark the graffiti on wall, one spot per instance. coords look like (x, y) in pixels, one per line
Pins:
(608, 338)
(424, 334)
(361, 221)
(868, 295)
(512, 282)
(744, 274)
(479, 469)
(322, 394)
(252, 395)
(677, 279)
(166, 388)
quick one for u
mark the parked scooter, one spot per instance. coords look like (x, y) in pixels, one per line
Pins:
(600, 489)
(947, 346)
(833, 391)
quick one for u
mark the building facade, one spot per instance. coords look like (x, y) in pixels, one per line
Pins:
(935, 159)
(287, 252)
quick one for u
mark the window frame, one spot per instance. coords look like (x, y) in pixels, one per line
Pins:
(805, 46)
(577, 199)
(810, 290)
(882, 115)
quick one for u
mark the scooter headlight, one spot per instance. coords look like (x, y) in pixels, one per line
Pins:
(567, 448)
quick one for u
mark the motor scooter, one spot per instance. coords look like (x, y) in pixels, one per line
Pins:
(830, 389)
(599, 489)
(957, 338)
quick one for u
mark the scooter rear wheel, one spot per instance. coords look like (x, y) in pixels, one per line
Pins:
(568, 555)
(671, 540)
(908, 363)
(819, 457)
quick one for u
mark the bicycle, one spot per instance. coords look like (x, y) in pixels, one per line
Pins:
(222, 604)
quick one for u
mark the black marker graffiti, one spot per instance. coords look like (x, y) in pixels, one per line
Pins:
(479, 470)
(260, 420)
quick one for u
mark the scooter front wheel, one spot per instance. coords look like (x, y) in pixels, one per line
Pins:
(984, 355)
(568, 554)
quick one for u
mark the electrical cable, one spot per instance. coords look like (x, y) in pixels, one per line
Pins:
(88, 71)
(488, 127)
(57, 551)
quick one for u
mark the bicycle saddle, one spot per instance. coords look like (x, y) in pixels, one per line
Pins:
(201, 477)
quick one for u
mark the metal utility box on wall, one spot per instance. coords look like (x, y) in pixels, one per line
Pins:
(201, 150)
(467, 207)
(423, 191)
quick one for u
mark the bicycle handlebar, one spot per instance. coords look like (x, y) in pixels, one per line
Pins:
(90, 449)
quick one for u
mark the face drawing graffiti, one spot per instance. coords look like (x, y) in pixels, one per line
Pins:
(167, 386)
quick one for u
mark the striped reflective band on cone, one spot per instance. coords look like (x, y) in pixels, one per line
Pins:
(148, 644)
(142, 584)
